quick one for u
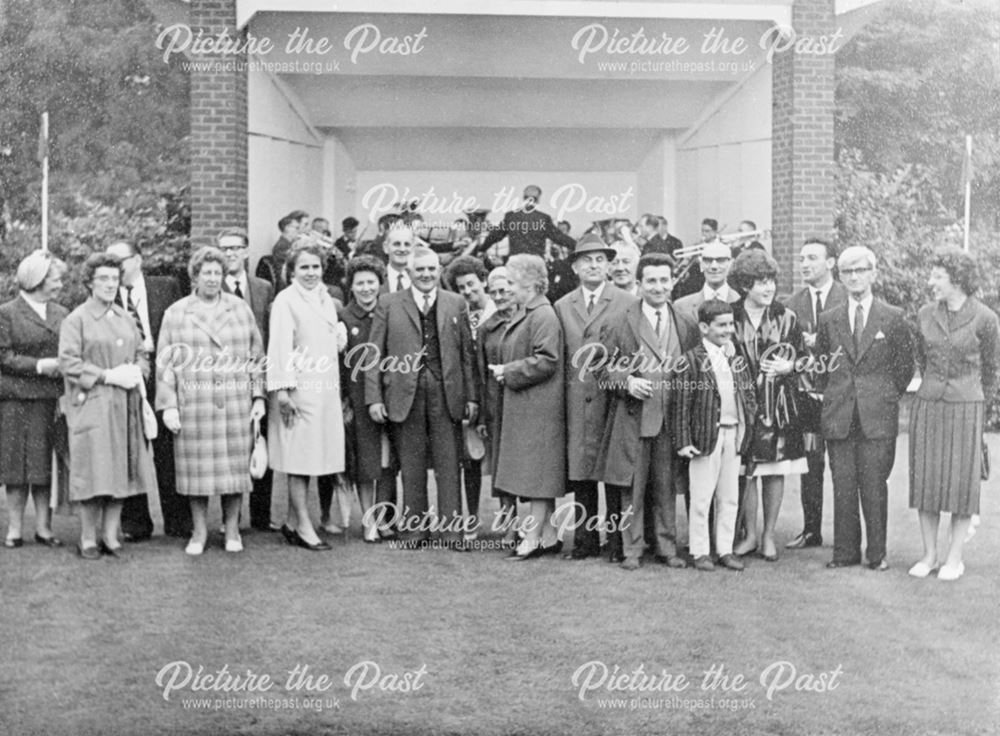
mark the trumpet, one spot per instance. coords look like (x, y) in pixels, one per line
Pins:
(736, 237)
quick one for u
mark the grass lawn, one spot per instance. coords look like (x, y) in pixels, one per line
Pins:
(496, 643)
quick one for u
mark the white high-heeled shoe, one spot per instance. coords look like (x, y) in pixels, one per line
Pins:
(234, 545)
(921, 570)
(949, 573)
(194, 548)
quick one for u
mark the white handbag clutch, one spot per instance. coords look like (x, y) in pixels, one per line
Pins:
(258, 458)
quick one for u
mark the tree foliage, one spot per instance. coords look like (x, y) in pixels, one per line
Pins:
(912, 84)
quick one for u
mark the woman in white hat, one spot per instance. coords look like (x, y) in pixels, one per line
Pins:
(30, 384)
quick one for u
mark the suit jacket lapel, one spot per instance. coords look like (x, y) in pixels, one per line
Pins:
(647, 336)
(577, 301)
(31, 315)
(410, 307)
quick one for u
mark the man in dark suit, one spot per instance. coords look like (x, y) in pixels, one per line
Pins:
(865, 351)
(637, 454)
(652, 229)
(821, 293)
(583, 313)
(146, 298)
(527, 228)
(424, 384)
(234, 244)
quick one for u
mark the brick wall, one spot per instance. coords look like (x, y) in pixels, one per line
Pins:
(218, 128)
(802, 140)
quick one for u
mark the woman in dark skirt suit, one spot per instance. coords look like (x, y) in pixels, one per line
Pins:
(374, 483)
(958, 356)
(30, 386)
(488, 339)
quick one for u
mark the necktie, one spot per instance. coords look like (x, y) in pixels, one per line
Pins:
(817, 310)
(859, 325)
(590, 304)
(399, 282)
(236, 288)
(427, 304)
(130, 306)
(659, 322)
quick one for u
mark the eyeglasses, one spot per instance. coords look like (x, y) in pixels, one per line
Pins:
(232, 248)
(855, 271)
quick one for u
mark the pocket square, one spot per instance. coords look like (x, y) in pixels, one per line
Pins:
(880, 335)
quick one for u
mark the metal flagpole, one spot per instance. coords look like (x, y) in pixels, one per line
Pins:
(967, 170)
(43, 155)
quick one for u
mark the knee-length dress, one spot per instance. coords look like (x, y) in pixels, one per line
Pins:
(303, 357)
(958, 357)
(210, 367)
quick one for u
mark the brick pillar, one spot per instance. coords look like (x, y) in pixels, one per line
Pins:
(218, 128)
(802, 165)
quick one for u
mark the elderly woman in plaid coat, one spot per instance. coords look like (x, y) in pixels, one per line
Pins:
(210, 386)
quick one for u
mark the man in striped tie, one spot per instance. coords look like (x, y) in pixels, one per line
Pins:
(146, 298)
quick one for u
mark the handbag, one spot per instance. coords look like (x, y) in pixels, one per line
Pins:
(258, 457)
(150, 428)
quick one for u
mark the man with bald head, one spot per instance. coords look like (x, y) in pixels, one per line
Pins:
(146, 299)
(623, 267)
(526, 228)
(422, 382)
(716, 259)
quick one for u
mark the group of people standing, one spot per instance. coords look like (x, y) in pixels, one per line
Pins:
(469, 372)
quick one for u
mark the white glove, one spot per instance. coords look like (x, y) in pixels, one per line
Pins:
(172, 420)
(341, 337)
(126, 376)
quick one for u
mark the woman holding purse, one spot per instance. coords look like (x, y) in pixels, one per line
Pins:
(210, 387)
(103, 363)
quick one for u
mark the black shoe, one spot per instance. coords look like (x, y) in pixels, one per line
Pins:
(834, 564)
(880, 566)
(47, 541)
(288, 533)
(13, 543)
(269, 526)
(320, 546)
(552, 549)
(109, 551)
(616, 558)
(136, 537)
(580, 553)
(805, 539)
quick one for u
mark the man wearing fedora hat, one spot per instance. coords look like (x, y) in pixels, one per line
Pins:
(583, 313)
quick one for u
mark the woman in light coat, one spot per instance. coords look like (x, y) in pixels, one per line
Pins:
(210, 386)
(306, 418)
(103, 363)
